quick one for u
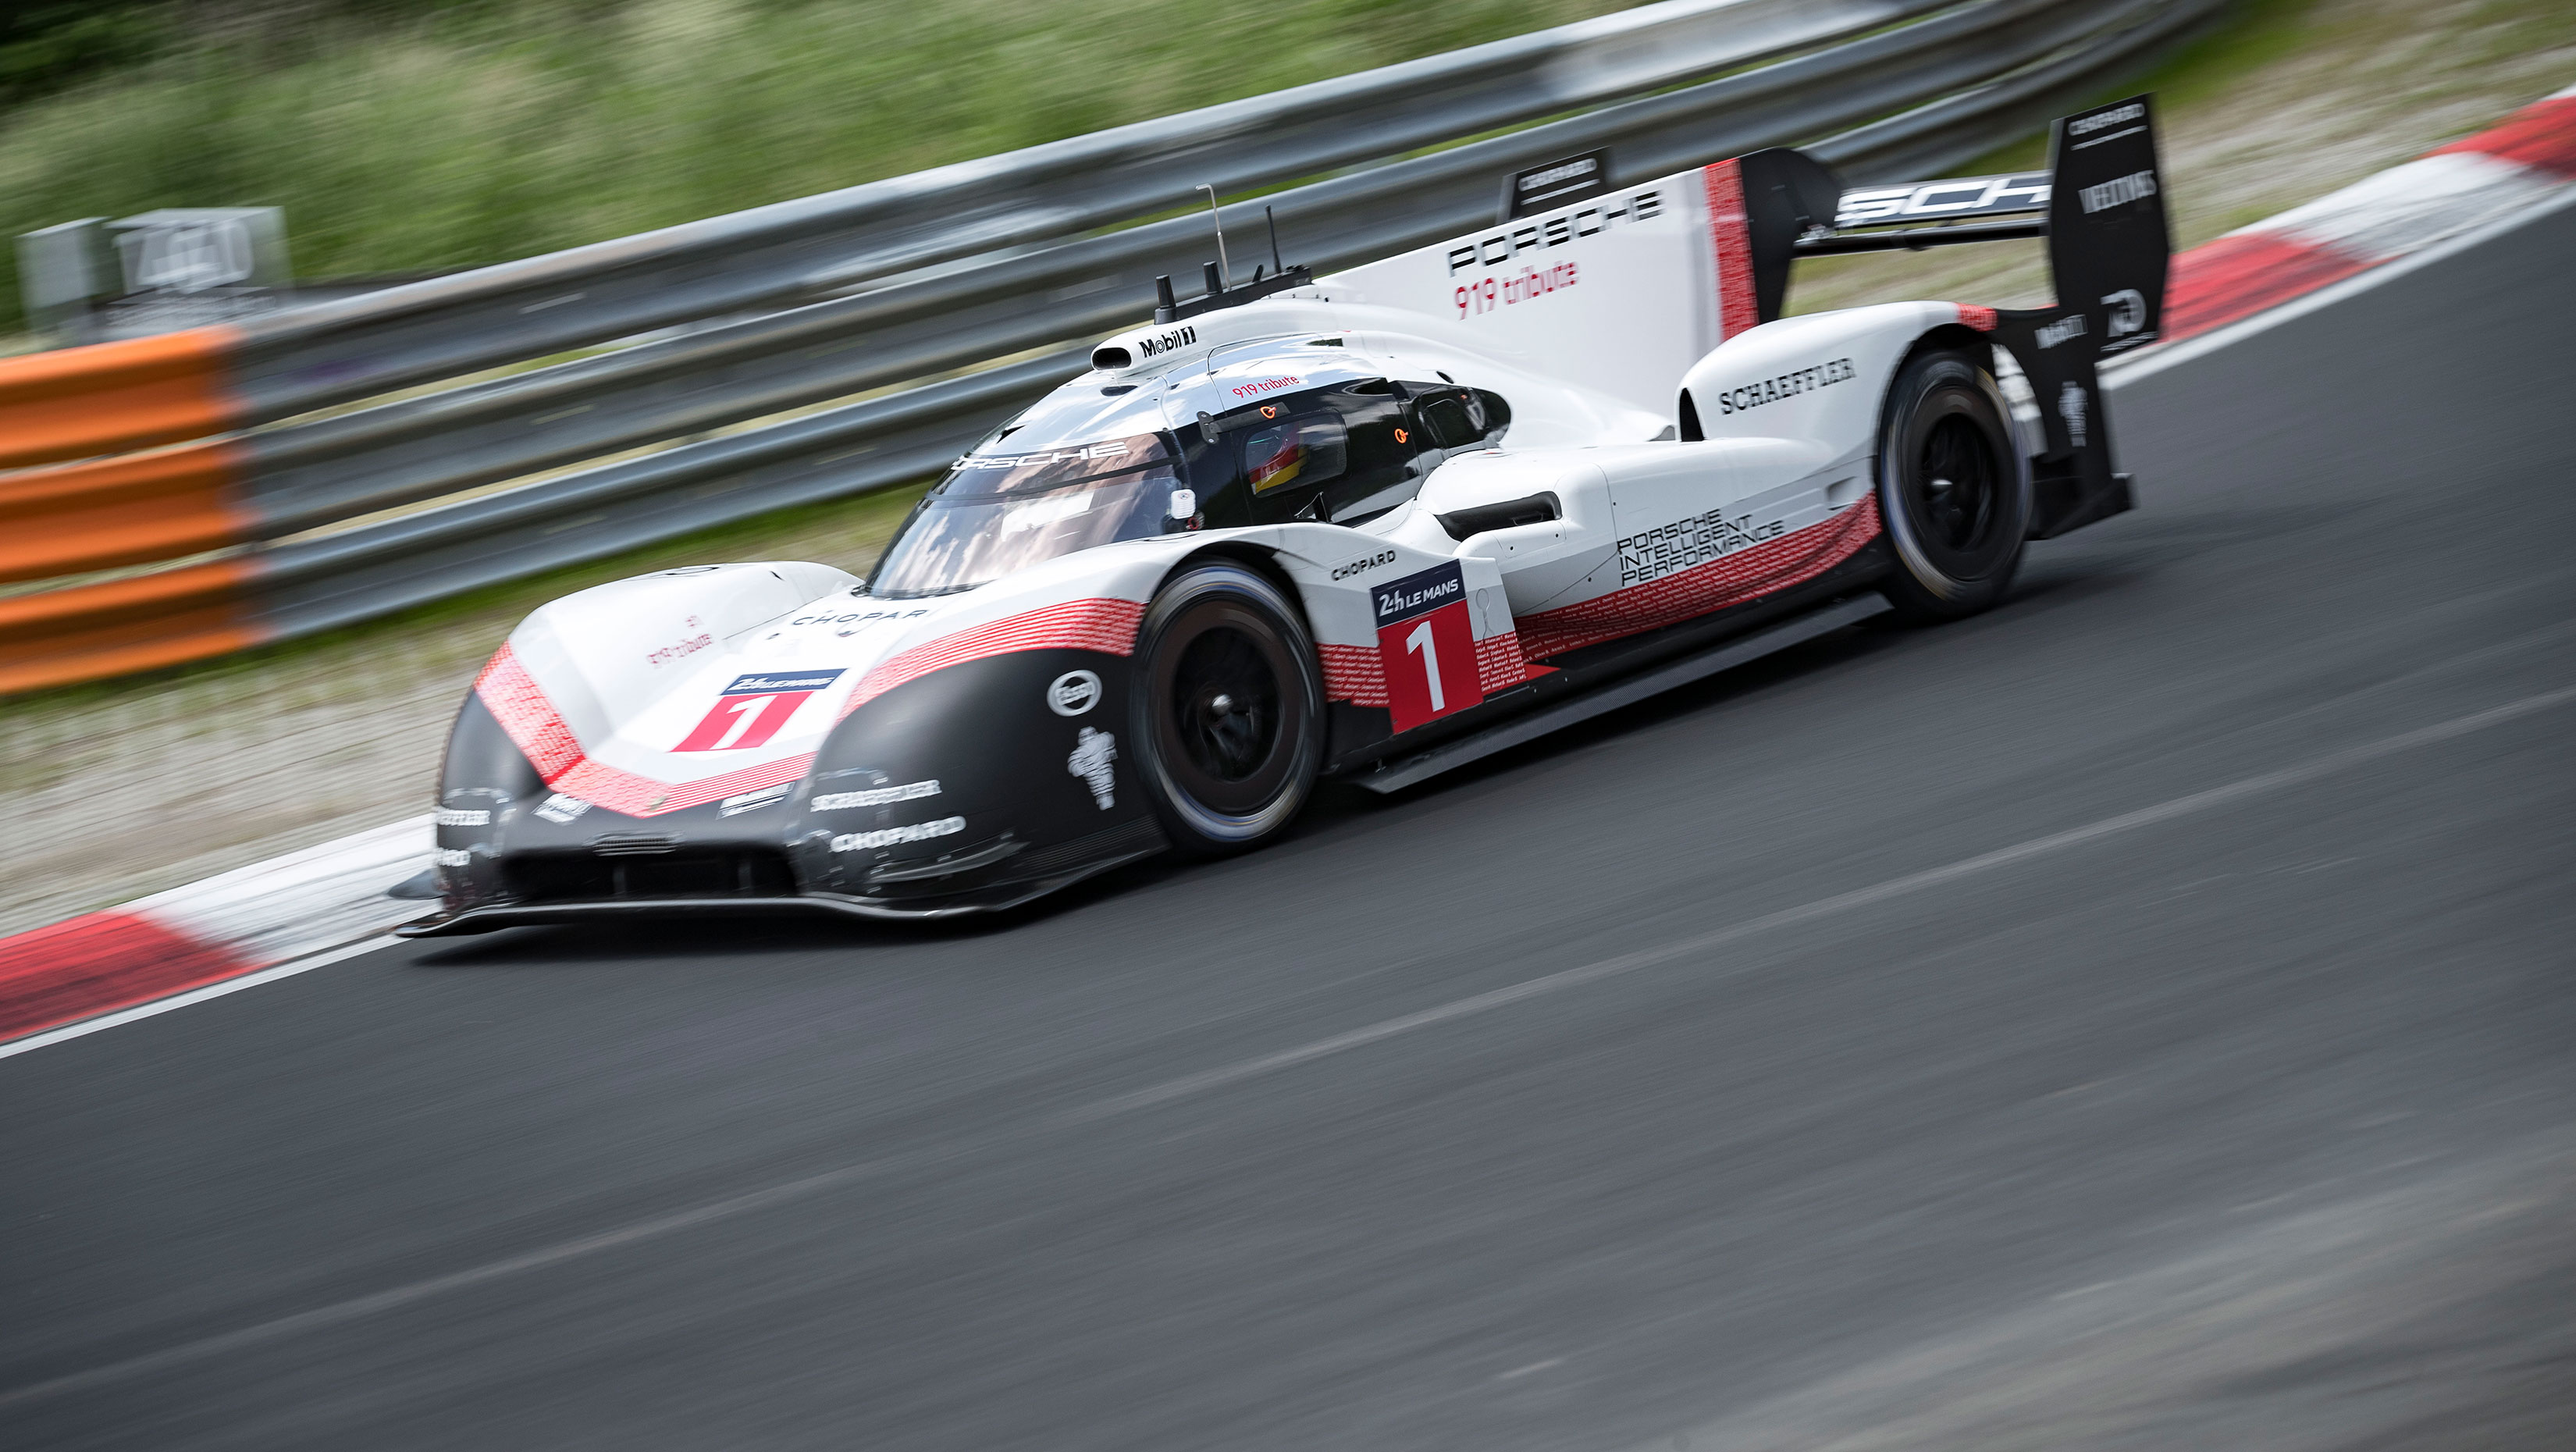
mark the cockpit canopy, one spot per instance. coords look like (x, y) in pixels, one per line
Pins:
(1089, 465)
(1346, 454)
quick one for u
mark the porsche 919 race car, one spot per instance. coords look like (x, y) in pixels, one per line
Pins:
(1368, 525)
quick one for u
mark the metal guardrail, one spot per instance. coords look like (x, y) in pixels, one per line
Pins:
(877, 285)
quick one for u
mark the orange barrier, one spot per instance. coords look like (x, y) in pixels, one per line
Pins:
(94, 404)
(78, 403)
(89, 632)
(127, 510)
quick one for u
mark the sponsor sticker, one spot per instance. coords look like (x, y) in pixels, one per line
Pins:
(1426, 642)
(1113, 449)
(2070, 407)
(1508, 242)
(1375, 561)
(2087, 125)
(1671, 548)
(1094, 756)
(1073, 693)
(1555, 184)
(753, 801)
(1787, 385)
(460, 817)
(1400, 600)
(561, 808)
(1160, 343)
(1260, 386)
(454, 857)
(858, 620)
(2065, 328)
(891, 836)
(2128, 312)
(748, 712)
(1967, 196)
(2101, 196)
(874, 796)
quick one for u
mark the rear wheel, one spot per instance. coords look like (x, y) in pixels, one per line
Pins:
(1954, 489)
(1230, 705)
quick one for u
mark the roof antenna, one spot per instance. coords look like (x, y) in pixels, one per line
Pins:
(1225, 269)
(1276, 265)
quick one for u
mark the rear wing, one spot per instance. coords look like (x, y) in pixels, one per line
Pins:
(2099, 206)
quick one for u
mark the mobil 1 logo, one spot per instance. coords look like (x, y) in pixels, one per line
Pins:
(1427, 644)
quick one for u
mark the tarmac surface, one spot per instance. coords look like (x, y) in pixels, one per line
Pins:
(2137, 1018)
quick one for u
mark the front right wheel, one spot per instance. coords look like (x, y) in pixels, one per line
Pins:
(1954, 489)
(1229, 703)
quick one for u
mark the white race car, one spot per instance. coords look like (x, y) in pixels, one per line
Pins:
(1368, 525)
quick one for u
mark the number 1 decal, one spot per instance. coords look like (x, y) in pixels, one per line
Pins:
(1421, 640)
(747, 711)
(1426, 643)
(752, 709)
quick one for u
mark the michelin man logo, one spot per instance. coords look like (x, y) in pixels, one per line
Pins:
(2070, 407)
(1093, 753)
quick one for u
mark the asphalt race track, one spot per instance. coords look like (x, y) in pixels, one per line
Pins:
(2139, 1018)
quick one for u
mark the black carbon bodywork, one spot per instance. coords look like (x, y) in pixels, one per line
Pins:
(954, 792)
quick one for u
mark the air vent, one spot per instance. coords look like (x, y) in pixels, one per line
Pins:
(633, 844)
(690, 872)
(1109, 360)
(1477, 518)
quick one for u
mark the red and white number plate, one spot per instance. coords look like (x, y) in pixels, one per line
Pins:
(1427, 643)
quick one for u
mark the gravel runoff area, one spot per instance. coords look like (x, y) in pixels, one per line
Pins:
(128, 788)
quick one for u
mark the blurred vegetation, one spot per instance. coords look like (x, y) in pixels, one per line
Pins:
(402, 134)
(46, 46)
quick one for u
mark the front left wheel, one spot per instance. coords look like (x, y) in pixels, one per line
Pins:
(1230, 706)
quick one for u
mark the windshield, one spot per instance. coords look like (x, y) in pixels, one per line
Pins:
(1000, 512)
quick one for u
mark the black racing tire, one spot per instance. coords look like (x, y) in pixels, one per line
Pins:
(1954, 489)
(1229, 705)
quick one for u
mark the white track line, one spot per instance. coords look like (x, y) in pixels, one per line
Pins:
(2270, 781)
(342, 1312)
(194, 995)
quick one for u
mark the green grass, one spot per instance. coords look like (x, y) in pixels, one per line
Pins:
(400, 137)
